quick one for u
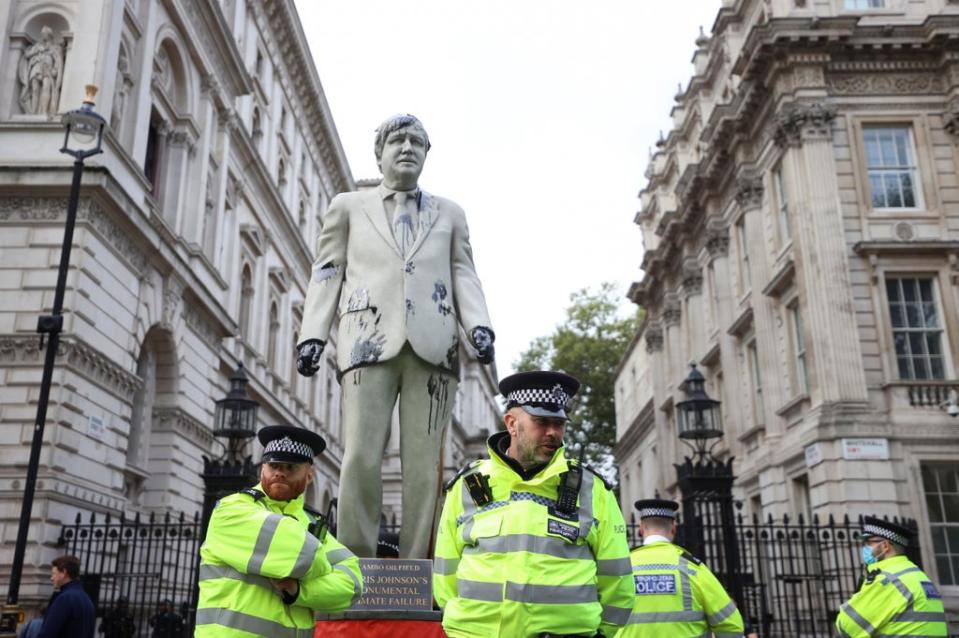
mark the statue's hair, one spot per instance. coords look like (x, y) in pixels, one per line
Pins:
(395, 123)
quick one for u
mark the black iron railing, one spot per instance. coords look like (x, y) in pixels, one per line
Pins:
(794, 574)
(129, 566)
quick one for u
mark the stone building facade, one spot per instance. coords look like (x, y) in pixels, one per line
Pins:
(193, 246)
(801, 245)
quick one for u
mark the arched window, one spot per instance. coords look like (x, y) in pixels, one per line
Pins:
(274, 331)
(246, 299)
(257, 126)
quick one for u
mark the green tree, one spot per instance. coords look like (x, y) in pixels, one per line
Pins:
(589, 345)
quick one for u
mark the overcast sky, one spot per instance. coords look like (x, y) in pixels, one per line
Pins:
(541, 114)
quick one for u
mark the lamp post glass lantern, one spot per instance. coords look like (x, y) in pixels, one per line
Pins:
(84, 126)
(235, 416)
(699, 416)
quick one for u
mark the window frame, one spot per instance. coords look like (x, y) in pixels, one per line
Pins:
(912, 166)
(925, 179)
(928, 542)
(943, 325)
(742, 254)
(800, 355)
(756, 390)
(781, 205)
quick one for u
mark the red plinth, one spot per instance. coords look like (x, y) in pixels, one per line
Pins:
(377, 628)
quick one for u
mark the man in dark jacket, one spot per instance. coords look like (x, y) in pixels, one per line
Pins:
(71, 613)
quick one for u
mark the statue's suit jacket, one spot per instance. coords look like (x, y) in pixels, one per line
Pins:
(385, 299)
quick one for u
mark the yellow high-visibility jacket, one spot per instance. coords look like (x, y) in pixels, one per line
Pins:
(896, 599)
(677, 596)
(516, 567)
(252, 538)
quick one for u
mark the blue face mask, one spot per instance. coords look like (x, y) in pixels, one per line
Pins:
(867, 556)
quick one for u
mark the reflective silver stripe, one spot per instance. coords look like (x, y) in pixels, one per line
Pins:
(908, 570)
(910, 615)
(551, 594)
(476, 590)
(850, 611)
(616, 615)
(898, 584)
(357, 590)
(469, 507)
(267, 530)
(718, 635)
(339, 555)
(445, 566)
(642, 618)
(655, 567)
(549, 545)
(586, 504)
(248, 623)
(305, 559)
(722, 614)
(613, 567)
(684, 573)
(212, 572)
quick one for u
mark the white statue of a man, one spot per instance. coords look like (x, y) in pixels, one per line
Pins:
(40, 74)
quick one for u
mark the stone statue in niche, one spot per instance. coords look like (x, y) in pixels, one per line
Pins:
(395, 263)
(41, 75)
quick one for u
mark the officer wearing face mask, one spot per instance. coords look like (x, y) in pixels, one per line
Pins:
(896, 598)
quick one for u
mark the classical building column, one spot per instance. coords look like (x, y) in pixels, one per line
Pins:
(806, 128)
(675, 356)
(749, 196)
(692, 290)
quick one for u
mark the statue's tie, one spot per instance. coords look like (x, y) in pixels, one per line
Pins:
(403, 229)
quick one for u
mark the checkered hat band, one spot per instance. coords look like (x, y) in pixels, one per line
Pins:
(889, 535)
(657, 512)
(553, 396)
(286, 444)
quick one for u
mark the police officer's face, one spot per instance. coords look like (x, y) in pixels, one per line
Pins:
(401, 160)
(285, 481)
(534, 439)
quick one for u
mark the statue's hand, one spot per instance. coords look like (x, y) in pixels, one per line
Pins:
(483, 338)
(308, 357)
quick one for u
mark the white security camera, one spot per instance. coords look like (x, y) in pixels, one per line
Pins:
(952, 409)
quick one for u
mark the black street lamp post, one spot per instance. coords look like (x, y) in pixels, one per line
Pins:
(84, 127)
(706, 484)
(235, 421)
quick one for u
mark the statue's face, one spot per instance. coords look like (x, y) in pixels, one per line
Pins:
(404, 153)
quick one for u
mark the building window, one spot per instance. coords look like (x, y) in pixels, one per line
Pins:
(855, 5)
(940, 483)
(744, 278)
(154, 152)
(274, 332)
(755, 376)
(799, 350)
(713, 295)
(891, 163)
(246, 299)
(782, 204)
(801, 500)
(916, 328)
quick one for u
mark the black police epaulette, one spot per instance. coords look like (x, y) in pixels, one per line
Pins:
(310, 510)
(593, 472)
(255, 493)
(692, 559)
(466, 468)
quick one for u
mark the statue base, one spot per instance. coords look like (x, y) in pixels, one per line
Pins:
(397, 603)
(380, 624)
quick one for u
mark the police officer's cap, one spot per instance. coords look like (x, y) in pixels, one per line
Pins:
(289, 444)
(873, 527)
(540, 392)
(656, 508)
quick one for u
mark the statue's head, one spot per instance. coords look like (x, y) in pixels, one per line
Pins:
(46, 34)
(401, 146)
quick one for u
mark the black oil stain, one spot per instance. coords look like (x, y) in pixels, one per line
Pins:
(368, 350)
(438, 387)
(324, 272)
(410, 267)
(439, 296)
(453, 355)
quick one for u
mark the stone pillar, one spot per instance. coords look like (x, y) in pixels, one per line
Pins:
(655, 340)
(717, 246)
(806, 128)
(676, 357)
(696, 321)
(749, 195)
